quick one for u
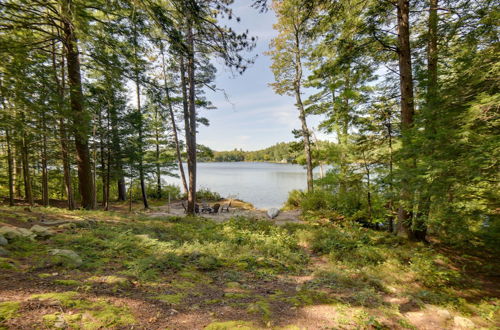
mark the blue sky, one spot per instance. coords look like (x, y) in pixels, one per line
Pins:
(255, 117)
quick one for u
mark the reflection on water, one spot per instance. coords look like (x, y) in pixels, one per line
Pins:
(264, 185)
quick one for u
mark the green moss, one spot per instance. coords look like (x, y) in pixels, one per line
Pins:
(306, 297)
(183, 285)
(237, 295)
(8, 310)
(228, 325)
(111, 279)
(66, 299)
(44, 275)
(8, 264)
(233, 285)
(67, 282)
(262, 308)
(173, 299)
(91, 314)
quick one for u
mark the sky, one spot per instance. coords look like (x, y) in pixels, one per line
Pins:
(254, 117)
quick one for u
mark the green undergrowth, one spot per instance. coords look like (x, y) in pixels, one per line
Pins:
(192, 262)
(85, 314)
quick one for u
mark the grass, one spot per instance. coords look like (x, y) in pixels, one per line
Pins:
(246, 266)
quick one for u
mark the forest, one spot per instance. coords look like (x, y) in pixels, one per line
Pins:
(101, 100)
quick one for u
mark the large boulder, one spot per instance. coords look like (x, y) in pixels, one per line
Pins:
(10, 232)
(463, 323)
(42, 232)
(68, 255)
(4, 252)
(273, 212)
(3, 240)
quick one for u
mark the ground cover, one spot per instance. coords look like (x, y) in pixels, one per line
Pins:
(145, 270)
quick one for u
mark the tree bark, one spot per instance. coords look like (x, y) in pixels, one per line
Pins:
(174, 125)
(63, 135)
(407, 106)
(302, 113)
(117, 153)
(139, 111)
(104, 174)
(432, 52)
(157, 155)
(81, 120)
(45, 175)
(10, 167)
(28, 191)
(189, 108)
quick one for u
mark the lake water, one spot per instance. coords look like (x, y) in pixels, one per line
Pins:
(264, 185)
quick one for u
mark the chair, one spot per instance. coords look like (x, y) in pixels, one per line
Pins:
(225, 207)
(215, 208)
(205, 208)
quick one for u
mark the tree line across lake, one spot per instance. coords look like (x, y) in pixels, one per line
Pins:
(99, 99)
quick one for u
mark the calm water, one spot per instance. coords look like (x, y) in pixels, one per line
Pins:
(264, 185)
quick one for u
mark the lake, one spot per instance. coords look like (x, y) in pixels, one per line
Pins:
(264, 185)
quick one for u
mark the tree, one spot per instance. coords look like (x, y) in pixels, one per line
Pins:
(288, 51)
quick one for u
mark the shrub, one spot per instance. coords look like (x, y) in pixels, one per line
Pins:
(295, 197)
(205, 194)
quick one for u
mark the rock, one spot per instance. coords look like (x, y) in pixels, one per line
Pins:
(13, 232)
(4, 252)
(445, 314)
(463, 323)
(71, 255)
(40, 231)
(67, 226)
(273, 212)
(3, 240)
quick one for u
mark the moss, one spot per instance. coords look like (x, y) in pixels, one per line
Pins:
(183, 285)
(67, 282)
(237, 295)
(228, 325)
(173, 299)
(44, 275)
(233, 285)
(64, 298)
(262, 308)
(306, 297)
(111, 279)
(91, 314)
(8, 310)
(8, 264)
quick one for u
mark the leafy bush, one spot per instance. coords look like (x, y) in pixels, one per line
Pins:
(294, 200)
(205, 194)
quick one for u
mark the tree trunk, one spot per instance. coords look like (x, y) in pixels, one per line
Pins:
(81, 120)
(104, 174)
(174, 125)
(432, 53)
(190, 118)
(18, 165)
(10, 167)
(94, 163)
(141, 164)
(117, 155)
(139, 111)
(28, 191)
(302, 114)
(157, 155)
(407, 107)
(63, 135)
(45, 175)
(391, 184)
